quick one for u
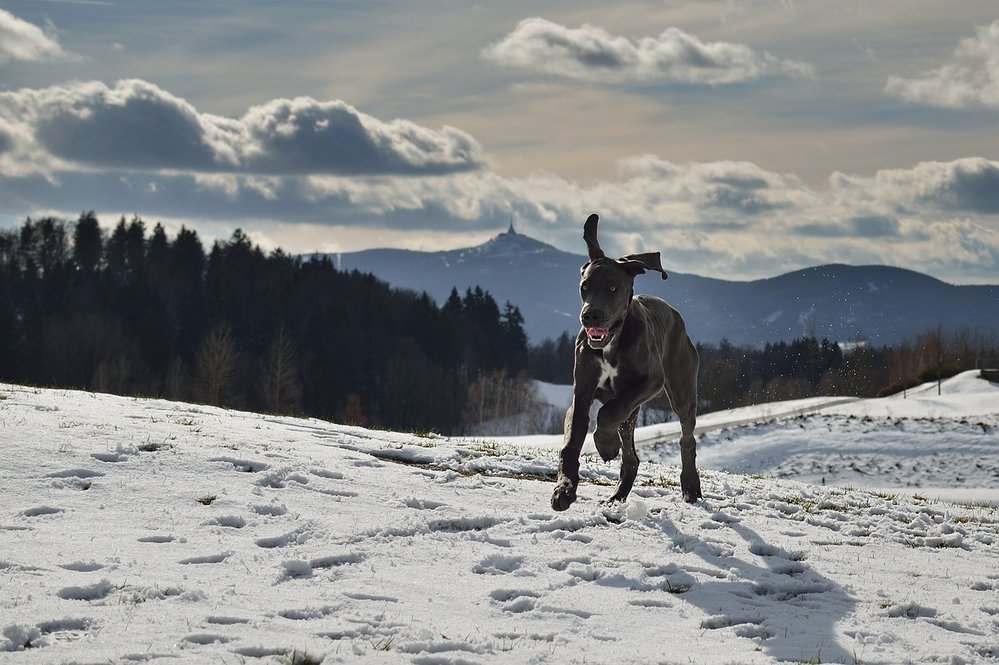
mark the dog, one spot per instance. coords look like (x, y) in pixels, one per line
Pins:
(629, 350)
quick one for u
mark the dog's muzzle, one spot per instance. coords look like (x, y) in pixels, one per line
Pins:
(598, 338)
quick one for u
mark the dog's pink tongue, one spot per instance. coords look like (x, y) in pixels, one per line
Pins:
(597, 332)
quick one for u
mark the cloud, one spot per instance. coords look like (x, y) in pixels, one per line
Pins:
(868, 226)
(592, 54)
(971, 79)
(728, 219)
(135, 125)
(969, 185)
(20, 40)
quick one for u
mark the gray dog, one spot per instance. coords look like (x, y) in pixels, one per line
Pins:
(630, 349)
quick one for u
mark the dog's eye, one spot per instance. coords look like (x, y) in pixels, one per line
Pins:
(584, 287)
(613, 289)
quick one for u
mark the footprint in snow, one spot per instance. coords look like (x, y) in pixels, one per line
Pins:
(295, 537)
(269, 509)
(80, 479)
(279, 478)
(39, 511)
(360, 595)
(226, 621)
(207, 638)
(423, 504)
(82, 566)
(747, 626)
(760, 548)
(74, 473)
(22, 637)
(337, 560)
(498, 564)
(156, 539)
(96, 591)
(325, 473)
(110, 458)
(228, 521)
(308, 613)
(241, 465)
(514, 601)
(562, 564)
(210, 558)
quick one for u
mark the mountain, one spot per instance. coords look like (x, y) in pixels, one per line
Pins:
(881, 304)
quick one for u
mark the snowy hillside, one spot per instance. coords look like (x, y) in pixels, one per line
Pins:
(938, 446)
(145, 531)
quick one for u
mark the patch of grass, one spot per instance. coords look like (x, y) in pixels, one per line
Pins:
(384, 644)
(662, 481)
(814, 660)
(677, 588)
(207, 500)
(296, 657)
(152, 446)
(487, 448)
(807, 505)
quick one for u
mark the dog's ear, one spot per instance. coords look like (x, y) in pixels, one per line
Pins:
(590, 236)
(637, 264)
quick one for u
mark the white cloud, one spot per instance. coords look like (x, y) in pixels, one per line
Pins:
(134, 147)
(20, 40)
(590, 53)
(965, 186)
(135, 125)
(971, 79)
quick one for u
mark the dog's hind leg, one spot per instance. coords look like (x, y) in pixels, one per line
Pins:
(629, 458)
(682, 392)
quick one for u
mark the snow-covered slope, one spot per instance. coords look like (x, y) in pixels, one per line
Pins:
(938, 446)
(145, 531)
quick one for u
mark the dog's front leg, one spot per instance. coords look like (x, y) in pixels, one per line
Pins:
(577, 421)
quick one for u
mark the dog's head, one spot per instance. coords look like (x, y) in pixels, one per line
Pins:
(606, 287)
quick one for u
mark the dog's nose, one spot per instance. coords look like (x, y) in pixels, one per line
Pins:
(591, 316)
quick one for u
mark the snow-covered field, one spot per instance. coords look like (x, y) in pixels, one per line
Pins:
(144, 530)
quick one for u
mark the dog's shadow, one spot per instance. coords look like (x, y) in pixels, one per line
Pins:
(772, 597)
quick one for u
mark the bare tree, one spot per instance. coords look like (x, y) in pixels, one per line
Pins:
(282, 386)
(215, 364)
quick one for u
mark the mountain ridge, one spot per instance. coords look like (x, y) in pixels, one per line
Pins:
(878, 303)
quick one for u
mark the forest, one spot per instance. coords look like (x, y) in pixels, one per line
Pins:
(131, 311)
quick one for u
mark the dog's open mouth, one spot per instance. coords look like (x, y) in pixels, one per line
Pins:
(598, 338)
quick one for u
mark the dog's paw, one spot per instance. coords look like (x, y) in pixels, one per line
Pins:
(690, 486)
(563, 495)
(608, 445)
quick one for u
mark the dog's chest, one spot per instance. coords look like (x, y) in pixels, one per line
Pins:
(608, 373)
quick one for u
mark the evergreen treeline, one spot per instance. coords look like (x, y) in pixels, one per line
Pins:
(135, 312)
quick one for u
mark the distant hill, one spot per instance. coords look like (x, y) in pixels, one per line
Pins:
(843, 303)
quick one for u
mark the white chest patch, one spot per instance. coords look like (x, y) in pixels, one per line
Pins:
(608, 373)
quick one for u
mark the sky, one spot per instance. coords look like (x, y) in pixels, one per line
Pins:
(741, 138)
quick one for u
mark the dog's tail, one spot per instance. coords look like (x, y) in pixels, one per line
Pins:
(590, 236)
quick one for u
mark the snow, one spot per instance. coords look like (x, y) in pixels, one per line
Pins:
(140, 530)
